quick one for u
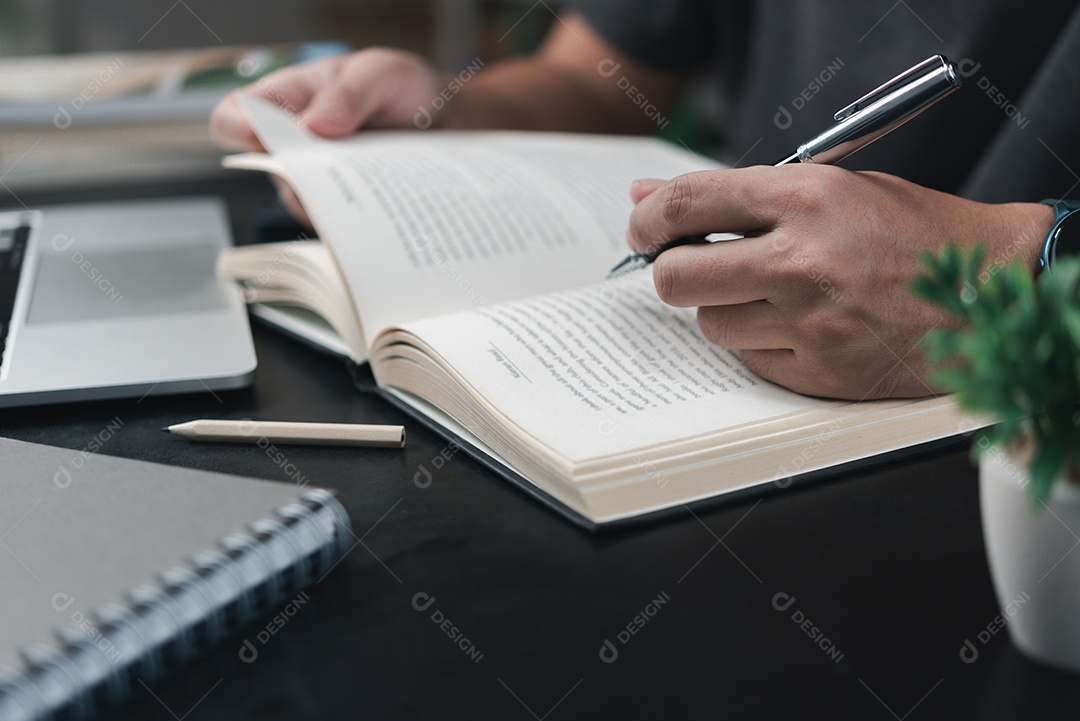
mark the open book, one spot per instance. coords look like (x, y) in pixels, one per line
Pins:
(468, 268)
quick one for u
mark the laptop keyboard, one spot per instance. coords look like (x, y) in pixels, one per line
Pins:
(12, 253)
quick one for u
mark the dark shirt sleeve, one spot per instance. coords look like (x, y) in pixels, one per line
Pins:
(1036, 152)
(670, 35)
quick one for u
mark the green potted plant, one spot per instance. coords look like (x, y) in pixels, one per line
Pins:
(1013, 357)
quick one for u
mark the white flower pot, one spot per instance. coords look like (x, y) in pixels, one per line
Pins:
(1034, 560)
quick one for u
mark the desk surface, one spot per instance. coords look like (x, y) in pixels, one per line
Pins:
(882, 575)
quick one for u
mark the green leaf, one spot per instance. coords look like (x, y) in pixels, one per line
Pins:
(1070, 317)
(1048, 464)
(1016, 355)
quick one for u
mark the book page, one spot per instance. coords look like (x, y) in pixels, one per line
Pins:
(424, 223)
(604, 369)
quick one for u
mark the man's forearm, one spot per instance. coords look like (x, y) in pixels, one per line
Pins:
(529, 94)
(568, 85)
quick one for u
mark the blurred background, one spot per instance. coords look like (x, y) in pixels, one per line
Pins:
(113, 91)
(449, 32)
(109, 91)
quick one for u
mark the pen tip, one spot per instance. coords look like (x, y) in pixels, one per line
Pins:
(618, 270)
(630, 263)
(165, 429)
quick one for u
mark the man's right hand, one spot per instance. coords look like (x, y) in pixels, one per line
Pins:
(373, 88)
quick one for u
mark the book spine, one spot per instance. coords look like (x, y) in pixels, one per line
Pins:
(191, 608)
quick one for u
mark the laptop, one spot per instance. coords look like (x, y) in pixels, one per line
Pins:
(113, 300)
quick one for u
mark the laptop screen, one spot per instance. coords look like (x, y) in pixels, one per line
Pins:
(12, 253)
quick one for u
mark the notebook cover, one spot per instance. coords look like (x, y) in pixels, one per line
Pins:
(92, 546)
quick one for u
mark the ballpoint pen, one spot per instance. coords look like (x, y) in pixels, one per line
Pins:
(878, 112)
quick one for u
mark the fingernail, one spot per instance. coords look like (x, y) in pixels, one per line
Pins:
(334, 115)
(325, 118)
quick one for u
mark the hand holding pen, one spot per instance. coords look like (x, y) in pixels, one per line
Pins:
(815, 296)
(875, 114)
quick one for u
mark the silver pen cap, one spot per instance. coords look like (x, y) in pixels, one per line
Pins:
(882, 110)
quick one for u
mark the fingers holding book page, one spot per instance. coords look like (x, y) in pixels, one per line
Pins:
(374, 88)
(335, 97)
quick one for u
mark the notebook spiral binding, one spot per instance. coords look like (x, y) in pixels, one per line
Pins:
(191, 608)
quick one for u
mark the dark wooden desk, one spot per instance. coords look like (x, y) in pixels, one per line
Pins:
(881, 578)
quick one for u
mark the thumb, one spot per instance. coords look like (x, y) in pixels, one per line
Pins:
(336, 110)
(640, 189)
(350, 98)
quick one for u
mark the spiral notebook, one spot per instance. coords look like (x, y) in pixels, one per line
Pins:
(114, 571)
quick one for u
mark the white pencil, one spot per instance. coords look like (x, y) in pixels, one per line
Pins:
(286, 432)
